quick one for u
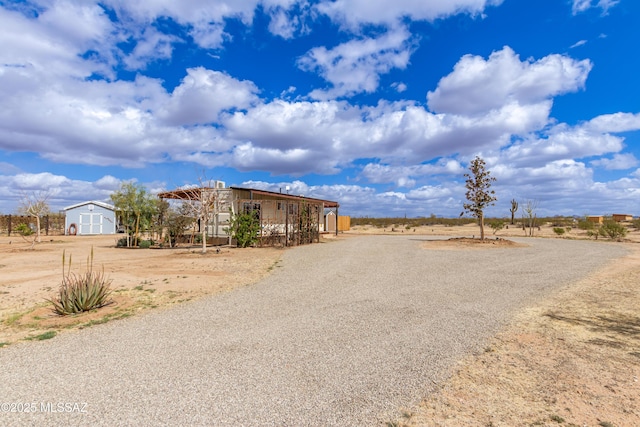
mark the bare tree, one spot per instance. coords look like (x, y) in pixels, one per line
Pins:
(479, 193)
(34, 205)
(529, 215)
(203, 203)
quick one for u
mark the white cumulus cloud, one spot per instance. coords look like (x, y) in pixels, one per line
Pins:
(355, 66)
(477, 85)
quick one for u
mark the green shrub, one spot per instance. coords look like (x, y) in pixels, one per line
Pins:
(145, 244)
(496, 225)
(122, 242)
(612, 230)
(244, 228)
(23, 229)
(559, 230)
(81, 292)
(586, 225)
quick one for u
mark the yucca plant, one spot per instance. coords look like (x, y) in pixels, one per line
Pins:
(81, 292)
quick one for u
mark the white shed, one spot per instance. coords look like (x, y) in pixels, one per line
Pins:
(90, 218)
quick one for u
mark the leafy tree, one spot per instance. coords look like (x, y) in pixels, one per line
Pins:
(159, 219)
(136, 208)
(479, 193)
(176, 220)
(34, 205)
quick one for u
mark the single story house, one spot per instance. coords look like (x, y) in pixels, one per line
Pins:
(285, 219)
(622, 217)
(90, 218)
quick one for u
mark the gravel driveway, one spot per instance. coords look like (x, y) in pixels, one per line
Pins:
(342, 333)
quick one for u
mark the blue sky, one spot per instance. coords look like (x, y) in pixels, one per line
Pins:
(377, 105)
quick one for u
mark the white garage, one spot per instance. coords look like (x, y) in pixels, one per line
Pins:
(90, 218)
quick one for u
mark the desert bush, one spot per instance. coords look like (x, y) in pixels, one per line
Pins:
(496, 225)
(636, 223)
(244, 228)
(559, 230)
(411, 222)
(122, 242)
(613, 230)
(586, 225)
(23, 229)
(558, 221)
(81, 292)
(145, 244)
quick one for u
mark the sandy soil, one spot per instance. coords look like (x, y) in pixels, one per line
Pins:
(572, 360)
(142, 279)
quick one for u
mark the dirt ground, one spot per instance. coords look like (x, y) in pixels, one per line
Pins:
(571, 360)
(142, 279)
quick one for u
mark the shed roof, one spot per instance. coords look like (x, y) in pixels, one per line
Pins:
(91, 202)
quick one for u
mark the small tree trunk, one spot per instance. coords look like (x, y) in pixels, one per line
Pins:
(482, 226)
(38, 229)
(135, 241)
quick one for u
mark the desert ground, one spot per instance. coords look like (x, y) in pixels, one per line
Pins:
(142, 279)
(571, 359)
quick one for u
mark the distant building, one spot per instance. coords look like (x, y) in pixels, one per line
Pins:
(596, 219)
(90, 218)
(622, 217)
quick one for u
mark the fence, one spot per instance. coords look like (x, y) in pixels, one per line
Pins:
(344, 223)
(284, 222)
(52, 224)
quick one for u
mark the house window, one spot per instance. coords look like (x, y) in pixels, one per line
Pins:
(248, 207)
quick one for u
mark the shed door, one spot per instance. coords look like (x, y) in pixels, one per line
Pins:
(90, 223)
